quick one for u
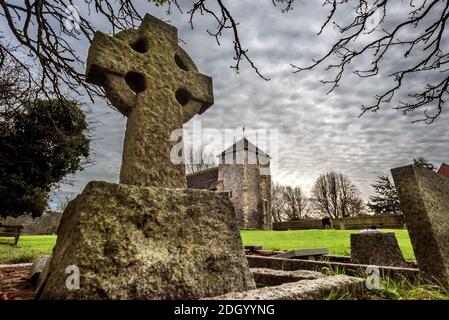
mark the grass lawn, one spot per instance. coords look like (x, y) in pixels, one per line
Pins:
(28, 248)
(337, 241)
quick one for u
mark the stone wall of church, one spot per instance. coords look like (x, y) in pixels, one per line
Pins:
(252, 200)
(250, 193)
(265, 199)
(231, 179)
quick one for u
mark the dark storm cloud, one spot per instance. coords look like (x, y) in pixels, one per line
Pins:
(317, 132)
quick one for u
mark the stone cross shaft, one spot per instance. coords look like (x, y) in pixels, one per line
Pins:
(155, 84)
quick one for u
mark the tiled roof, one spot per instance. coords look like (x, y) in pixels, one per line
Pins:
(444, 170)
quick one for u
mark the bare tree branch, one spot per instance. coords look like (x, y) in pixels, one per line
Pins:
(225, 21)
(425, 43)
(39, 32)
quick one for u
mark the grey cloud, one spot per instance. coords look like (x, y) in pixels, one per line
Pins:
(318, 132)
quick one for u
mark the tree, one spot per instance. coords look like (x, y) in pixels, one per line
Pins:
(386, 199)
(295, 202)
(370, 35)
(335, 196)
(15, 89)
(277, 203)
(40, 143)
(424, 163)
(288, 203)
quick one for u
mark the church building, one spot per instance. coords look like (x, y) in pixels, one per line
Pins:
(244, 172)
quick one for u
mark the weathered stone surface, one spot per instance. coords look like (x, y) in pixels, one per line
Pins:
(376, 248)
(301, 290)
(424, 197)
(42, 277)
(269, 277)
(244, 170)
(303, 253)
(38, 266)
(154, 83)
(148, 243)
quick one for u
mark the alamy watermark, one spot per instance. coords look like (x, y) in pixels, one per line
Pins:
(262, 146)
(72, 282)
(372, 281)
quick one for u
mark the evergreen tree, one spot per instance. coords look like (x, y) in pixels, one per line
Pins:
(386, 199)
(40, 144)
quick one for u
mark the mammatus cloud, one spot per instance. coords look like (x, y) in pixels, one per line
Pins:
(317, 132)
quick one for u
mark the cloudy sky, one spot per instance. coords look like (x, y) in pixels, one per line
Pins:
(317, 132)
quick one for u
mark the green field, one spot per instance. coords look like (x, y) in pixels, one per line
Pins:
(337, 241)
(28, 248)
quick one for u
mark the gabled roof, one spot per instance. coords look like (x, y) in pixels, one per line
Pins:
(247, 145)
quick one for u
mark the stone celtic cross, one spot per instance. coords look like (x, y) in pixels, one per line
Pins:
(155, 84)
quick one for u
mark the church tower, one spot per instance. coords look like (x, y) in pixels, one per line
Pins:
(244, 172)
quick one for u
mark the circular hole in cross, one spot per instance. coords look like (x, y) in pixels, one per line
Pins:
(141, 45)
(135, 81)
(182, 96)
(180, 63)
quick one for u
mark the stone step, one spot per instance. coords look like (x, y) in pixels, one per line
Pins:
(301, 290)
(269, 277)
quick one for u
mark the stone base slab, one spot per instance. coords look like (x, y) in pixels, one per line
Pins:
(302, 290)
(132, 242)
(269, 277)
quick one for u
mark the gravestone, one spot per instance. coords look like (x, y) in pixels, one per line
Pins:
(155, 84)
(376, 248)
(147, 237)
(424, 197)
(310, 253)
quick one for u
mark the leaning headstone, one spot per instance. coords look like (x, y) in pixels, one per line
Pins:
(140, 239)
(424, 197)
(376, 248)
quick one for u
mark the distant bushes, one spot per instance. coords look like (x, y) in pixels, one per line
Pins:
(44, 225)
